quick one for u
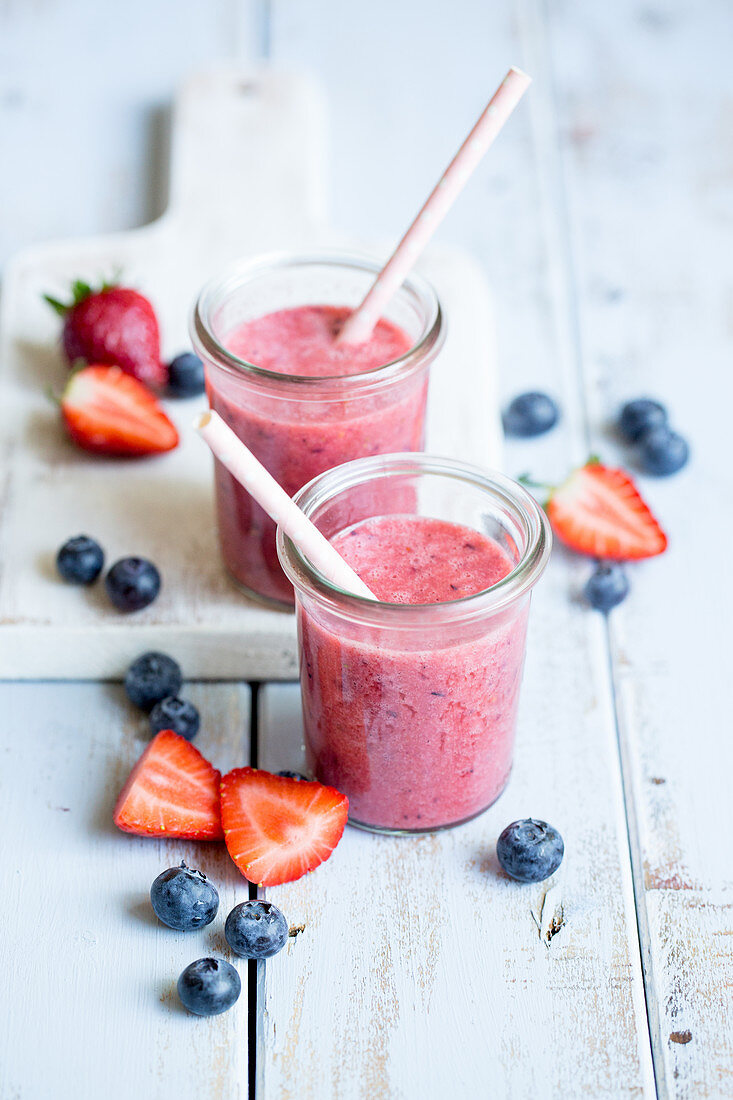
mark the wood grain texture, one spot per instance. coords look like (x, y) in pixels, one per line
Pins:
(89, 970)
(225, 122)
(647, 144)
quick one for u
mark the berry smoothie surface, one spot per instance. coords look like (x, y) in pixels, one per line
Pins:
(303, 341)
(415, 725)
(297, 430)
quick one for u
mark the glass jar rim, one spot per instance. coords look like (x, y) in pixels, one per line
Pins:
(525, 510)
(207, 344)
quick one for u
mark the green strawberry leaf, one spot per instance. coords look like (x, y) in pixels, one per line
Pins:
(61, 308)
(80, 290)
(530, 483)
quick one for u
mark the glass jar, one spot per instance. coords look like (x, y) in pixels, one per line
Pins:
(298, 426)
(410, 709)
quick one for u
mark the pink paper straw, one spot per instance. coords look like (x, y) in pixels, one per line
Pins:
(250, 473)
(359, 325)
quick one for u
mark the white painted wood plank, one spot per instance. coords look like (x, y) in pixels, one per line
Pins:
(502, 1014)
(645, 154)
(421, 969)
(90, 973)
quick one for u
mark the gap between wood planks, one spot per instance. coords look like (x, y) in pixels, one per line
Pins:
(259, 16)
(633, 839)
(252, 965)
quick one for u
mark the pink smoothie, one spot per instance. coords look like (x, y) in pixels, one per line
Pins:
(298, 431)
(416, 727)
(302, 341)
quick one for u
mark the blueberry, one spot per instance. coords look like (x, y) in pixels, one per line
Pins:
(175, 714)
(530, 850)
(256, 930)
(530, 414)
(607, 586)
(293, 775)
(80, 560)
(132, 583)
(184, 899)
(152, 677)
(662, 452)
(185, 376)
(209, 986)
(638, 416)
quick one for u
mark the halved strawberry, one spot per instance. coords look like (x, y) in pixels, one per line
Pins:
(172, 791)
(276, 828)
(110, 412)
(599, 511)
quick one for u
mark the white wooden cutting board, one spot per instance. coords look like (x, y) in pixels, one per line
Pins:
(247, 175)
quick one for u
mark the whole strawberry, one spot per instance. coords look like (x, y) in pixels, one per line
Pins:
(115, 325)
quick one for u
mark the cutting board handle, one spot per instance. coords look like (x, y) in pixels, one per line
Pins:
(247, 157)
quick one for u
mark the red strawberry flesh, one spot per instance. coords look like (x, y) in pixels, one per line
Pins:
(600, 512)
(276, 829)
(109, 412)
(172, 791)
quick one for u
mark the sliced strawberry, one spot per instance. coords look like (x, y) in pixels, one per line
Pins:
(172, 791)
(599, 511)
(110, 412)
(276, 828)
(115, 325)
